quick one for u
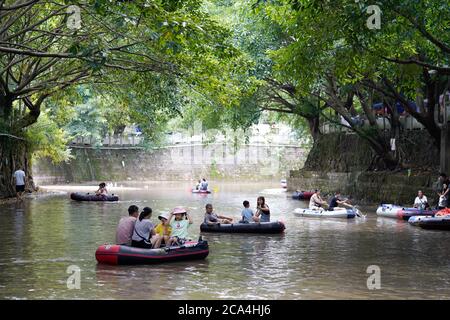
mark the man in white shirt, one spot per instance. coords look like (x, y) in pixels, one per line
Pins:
(316, 201)
(204, 184)
(421, 201)
(20, 177)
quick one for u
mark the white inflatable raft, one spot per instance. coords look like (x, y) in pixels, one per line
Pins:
(415, 220)
(398, 212)
(322, 213)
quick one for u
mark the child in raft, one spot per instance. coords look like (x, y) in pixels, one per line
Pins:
(163, 229)
(102, 190)
(247, 214)
(180, 221)
(212, 218)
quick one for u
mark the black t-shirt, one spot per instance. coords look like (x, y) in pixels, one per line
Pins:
(333, 202)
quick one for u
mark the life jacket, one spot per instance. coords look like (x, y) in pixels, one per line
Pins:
(443, 212)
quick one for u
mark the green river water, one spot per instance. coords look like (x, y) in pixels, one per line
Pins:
(314, 259)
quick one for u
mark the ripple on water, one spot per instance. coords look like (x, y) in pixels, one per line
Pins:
(314, 259)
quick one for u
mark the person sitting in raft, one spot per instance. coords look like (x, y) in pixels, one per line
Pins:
(212, 218)
(102, 190)
(125, 227)
(336, 201)
(180, 221)
(144, 235)
(316, 201)
(443, 196)
(247, 214)
(204, 185)
(163, 229)
(421, 201)
(199, 185)
(262, 210)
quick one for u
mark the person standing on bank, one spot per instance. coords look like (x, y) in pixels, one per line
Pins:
(262, 210)
(20, 177)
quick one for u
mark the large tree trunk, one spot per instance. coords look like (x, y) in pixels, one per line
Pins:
(314, 128)
(6, 103)
(445, 150)
(13, 156)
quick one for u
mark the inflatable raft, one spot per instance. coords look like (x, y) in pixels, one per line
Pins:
(257, 227)
(78, 196)
(303, 195)
(122, 255)
(414, 220)
(435, 223)
(200, 191)
(397, 212)
(322, 213)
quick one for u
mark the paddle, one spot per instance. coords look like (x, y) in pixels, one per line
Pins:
(356, 209)
(358, 212)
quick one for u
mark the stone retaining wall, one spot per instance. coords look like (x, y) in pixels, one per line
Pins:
(249, 162)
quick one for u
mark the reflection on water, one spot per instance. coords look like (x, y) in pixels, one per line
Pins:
(314, 259)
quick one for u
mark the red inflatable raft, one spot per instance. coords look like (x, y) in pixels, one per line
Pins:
(122, 255)
(302, 195)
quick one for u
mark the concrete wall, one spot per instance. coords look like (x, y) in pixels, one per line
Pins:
(214, 161)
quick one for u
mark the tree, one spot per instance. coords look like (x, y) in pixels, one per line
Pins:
(46, 48)
(330, 40)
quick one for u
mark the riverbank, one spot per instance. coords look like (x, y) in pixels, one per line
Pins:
(38, 193)
(345, 162)
(367, 187)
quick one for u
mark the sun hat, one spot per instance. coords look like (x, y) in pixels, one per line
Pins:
(179, 210)
(163, 215)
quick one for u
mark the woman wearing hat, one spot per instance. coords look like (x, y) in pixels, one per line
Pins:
(180, 221)
(163, 229)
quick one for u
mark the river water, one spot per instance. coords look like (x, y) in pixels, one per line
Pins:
(314, 259)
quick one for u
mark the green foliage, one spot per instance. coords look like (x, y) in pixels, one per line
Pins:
(47, 139)
(130, 62)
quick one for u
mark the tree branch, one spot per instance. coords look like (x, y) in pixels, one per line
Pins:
(441, 70)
